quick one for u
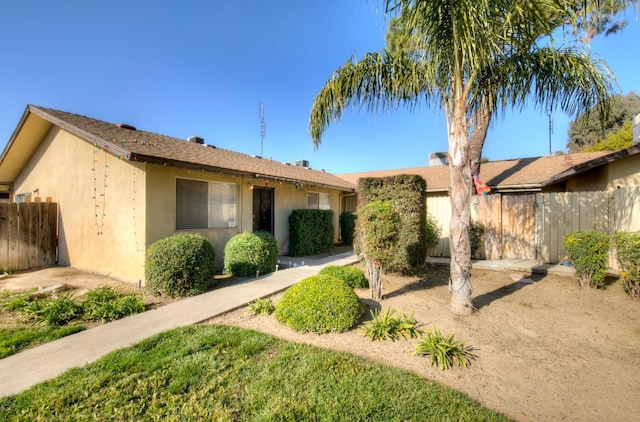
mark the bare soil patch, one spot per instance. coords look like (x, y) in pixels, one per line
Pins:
(547, 350)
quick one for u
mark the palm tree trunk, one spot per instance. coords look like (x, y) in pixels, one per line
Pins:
(460, 190)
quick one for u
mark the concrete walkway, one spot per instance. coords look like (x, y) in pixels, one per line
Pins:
(25, 369)
(20, 371)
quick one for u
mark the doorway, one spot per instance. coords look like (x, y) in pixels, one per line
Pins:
(263, 209)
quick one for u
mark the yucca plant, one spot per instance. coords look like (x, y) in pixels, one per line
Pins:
(262, 306)
(387, 326)
(444, 351)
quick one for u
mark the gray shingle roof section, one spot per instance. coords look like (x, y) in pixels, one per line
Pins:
(140, 145)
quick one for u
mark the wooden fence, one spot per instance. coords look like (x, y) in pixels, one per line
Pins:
(533, 226)
(28, 235)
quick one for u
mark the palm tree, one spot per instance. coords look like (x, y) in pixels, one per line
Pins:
(471, 58)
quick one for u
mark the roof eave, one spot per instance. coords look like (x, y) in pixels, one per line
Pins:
(214, 169)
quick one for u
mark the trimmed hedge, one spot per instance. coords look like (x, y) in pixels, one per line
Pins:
(249, 252)
(310, 232)
(319, 304)
(180, 265)
(407, 194)
(628, 251)
(352, 275)
(347, 222)
(587, 251)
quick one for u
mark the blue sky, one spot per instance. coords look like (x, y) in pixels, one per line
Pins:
(197, 67)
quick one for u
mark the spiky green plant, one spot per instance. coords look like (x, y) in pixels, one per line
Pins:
(387, 326)
(445, 352)
(263, 306)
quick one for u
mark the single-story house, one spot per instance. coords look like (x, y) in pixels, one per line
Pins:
(119, 189)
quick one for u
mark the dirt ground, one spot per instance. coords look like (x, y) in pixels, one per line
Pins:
(546, 350)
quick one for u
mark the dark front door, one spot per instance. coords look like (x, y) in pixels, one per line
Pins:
(263, 209)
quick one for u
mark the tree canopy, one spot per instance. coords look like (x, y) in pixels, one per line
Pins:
(586, 130)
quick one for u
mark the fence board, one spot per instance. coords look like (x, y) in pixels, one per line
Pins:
(28, 234)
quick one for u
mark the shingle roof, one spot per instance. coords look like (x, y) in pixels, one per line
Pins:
(522, 173)
(139, 145)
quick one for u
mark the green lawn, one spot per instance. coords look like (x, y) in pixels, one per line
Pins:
(211, 372)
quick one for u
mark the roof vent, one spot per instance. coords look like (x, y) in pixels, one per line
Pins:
(302, 163)
(125, 126)
(196, 140)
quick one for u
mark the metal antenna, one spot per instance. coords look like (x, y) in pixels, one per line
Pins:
(549, 111)
(262, 130)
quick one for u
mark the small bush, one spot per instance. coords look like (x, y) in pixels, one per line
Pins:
(106, 304)
(246, 253)
(587, 251)
(432, 233)
(319, 304)
(476, 237)
(628, 252)
(352, 275)
(445, 352)
(51, 311)
(347, 222)
(180, 265)
(390, 327)
(263, 306)
(6, 269)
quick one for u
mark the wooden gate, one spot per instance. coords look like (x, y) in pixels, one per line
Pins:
(28, 235)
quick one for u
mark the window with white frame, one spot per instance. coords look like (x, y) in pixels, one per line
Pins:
(317, 200)
(201, 204)
(23, 197)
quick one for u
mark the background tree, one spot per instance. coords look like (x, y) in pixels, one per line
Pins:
(472, 59)
(377, 229)
(586, 131)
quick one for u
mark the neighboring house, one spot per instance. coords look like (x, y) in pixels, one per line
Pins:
(535, 202)
(120, 189)
(585, 171)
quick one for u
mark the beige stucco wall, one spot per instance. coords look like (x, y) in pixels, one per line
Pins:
(161, 206)
(72, 172)
(624, 173)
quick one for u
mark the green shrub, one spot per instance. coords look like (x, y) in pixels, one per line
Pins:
(587, 251)
(407, 194)
(390, 327)
(6, 269)
(476, 237)
(347, 222)
(378, 228)
(352, 275)
(247, 253)
(628, 252)
(107, 304)
(444, 351)
(262, 306)
(310, 232)
(319, 304)
(180, 265)
(432, 233)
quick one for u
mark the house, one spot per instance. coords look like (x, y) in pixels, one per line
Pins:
(119, 189)
(535, 202)
(584, 171)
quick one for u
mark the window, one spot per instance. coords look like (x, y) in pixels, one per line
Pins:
(23, 197)
(317, 201)
(201, 205)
